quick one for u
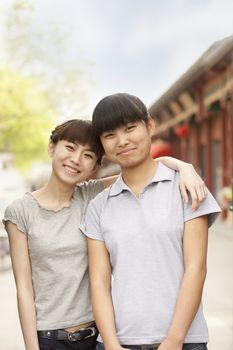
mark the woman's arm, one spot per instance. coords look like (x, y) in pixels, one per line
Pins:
(108, 181)
(23, 279)
(189, 298)
(100, 277)
(190, 181)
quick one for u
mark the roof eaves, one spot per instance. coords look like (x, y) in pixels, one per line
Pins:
(209, 59)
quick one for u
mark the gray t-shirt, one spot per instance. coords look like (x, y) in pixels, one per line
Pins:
(144, 239)
(58, 255)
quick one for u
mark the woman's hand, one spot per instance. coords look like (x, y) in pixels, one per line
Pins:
(169, 345)
(191, 182)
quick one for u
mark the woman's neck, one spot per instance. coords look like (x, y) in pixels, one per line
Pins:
(138, 177)
(54, 195)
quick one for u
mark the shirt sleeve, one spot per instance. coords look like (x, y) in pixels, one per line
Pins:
(91, 188)
(208, 207)
(16, 215)
(91, 227)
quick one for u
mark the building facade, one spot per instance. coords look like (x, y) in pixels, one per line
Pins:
(196, 117)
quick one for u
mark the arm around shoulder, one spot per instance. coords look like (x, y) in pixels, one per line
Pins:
(190, 181)
(108, 181)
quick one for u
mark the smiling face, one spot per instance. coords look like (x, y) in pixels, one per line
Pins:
(72, 162)
(123, 124)
(128, 145)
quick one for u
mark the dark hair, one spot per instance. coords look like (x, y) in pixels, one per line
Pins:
(78, 131)
(116, 110)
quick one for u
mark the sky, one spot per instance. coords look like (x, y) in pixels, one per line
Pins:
(139, 47)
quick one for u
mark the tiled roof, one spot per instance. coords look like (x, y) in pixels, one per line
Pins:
(209, 59)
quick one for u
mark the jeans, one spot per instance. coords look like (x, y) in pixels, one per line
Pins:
(54, 344)
(188, 346)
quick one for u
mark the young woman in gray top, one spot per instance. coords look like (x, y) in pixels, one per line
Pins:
(141, 233)
(48, 251)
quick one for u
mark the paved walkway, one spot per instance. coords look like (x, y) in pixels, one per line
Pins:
(218, 296)
(218, 292)
(10, 333)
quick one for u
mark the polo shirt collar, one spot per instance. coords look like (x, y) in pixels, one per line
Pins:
(163, 173)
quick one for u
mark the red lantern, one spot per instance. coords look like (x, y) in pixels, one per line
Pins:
(160, 150)
(182, 131)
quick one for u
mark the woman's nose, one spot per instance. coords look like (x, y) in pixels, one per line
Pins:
(76, 157)
(122, 139)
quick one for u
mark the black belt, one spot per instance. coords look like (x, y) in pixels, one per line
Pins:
(82, 334)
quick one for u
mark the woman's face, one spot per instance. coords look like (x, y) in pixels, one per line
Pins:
(128, 145)
(71, 162)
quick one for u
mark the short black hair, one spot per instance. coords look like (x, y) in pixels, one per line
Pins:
(78, 131)
(116, 110)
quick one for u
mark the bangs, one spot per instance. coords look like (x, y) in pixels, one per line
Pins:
(79, 132)
(117, 110)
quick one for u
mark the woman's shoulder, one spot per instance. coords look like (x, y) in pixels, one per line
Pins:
(20, 204)
(18, 212)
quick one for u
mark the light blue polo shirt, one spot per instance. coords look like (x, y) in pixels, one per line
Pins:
(144, 239)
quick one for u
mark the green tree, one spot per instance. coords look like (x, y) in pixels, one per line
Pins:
(25, 118)
(39, 82)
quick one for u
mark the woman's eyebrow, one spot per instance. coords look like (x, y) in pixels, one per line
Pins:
(90, 150)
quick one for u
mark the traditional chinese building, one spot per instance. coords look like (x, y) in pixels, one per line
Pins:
(195, 115)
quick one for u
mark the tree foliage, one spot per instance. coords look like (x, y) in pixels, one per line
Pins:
(25, 118)
(39, 81)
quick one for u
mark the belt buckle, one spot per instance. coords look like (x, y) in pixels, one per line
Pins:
(78, 335)
(92, 332)
(72, 337)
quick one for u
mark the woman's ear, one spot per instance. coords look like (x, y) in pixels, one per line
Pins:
(151, 125)
(51, 148)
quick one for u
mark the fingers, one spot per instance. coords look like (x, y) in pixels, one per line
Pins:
(201, 192)
(195, 199)
(197, 193)
(184, 193)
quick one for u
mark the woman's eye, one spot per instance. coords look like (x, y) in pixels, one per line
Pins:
(109, 135)
(130, 127)
(90, 156)
(70, 147)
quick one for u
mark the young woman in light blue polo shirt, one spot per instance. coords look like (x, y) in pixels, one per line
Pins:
(48, 251)
(147, 250)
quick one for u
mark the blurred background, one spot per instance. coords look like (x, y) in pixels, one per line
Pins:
(59, 58)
